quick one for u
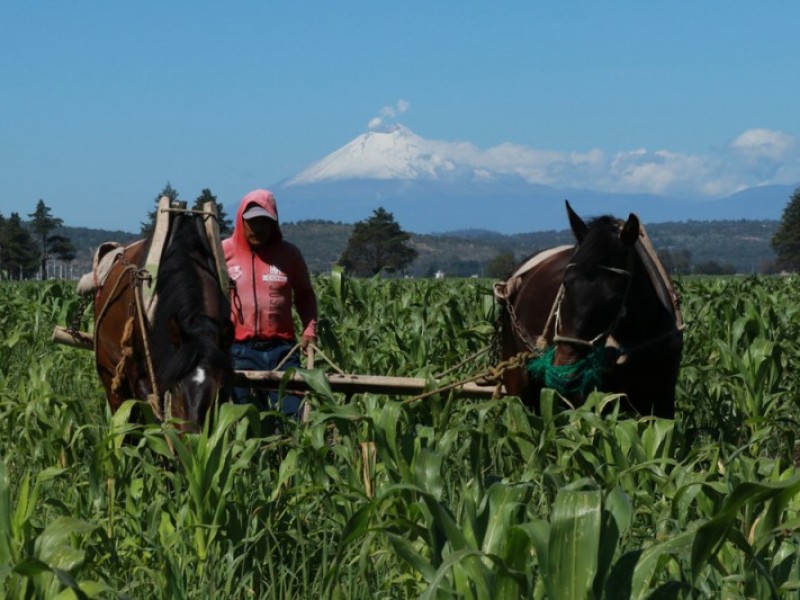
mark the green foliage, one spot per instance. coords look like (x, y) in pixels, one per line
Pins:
(42, 223)
(224, 223)
(61, 247)
(377, 244)
(501, 266)
(391, 497)
(148, 226)
(19, 256)
(786, 241)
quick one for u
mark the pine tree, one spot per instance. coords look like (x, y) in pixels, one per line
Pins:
(149, 226)
(225, 224)
(42, 223)
(786, 241)
(19, 256)
(3, 225)
(377, 244)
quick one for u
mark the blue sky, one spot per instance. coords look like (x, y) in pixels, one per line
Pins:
(102, 103)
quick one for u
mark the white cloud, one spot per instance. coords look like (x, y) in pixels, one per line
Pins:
(756, 157)
(764, 143)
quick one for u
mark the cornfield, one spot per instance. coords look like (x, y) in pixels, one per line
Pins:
(395, 497)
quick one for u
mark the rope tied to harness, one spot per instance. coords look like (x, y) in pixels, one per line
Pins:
(578, 378)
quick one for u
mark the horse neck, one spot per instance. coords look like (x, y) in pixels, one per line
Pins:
(645, 314)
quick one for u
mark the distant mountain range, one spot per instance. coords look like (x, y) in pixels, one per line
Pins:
(461, 215)
(741, 244)
(430, 187)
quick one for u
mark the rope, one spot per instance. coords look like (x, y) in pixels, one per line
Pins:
(191, 211)
(316, 351)
(320, 353)
(127, 352)
(494, 374)
(75, 324)
(541, 343)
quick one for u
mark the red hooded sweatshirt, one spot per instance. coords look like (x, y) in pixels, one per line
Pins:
(267, 280)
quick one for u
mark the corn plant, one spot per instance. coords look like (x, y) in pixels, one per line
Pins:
(382, 497)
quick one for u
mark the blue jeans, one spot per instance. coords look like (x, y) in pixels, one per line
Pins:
(265, 356)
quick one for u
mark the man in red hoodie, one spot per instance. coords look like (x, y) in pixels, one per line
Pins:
(269, 277)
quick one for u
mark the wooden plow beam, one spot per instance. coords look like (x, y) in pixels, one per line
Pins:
(358, 384)
(75, 339)
(344, 383)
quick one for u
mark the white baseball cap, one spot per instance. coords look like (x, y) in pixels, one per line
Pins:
(258, 211)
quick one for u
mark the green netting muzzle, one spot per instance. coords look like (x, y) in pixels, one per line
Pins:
(579, 378)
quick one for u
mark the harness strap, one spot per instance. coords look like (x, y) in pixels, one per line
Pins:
(541, 343)
(659, 277)
(136, 277)
(153, 399)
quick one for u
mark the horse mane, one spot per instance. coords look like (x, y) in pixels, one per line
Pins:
(182, 333)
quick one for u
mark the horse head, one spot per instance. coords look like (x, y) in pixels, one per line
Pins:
(191, 330)
(594, 293)
(599, 315)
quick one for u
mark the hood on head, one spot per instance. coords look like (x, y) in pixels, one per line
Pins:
(262, 199)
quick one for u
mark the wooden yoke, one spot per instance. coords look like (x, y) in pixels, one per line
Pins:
(212, 233)
(153, 259)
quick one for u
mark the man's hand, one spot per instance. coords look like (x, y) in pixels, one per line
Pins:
(306, 340)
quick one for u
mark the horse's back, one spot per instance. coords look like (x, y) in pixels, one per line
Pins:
(530, 292)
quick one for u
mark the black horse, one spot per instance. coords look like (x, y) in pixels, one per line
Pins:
(598, 315)
(177, 359)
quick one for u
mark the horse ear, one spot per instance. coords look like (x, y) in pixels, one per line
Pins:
(630, 231)
(579, 228)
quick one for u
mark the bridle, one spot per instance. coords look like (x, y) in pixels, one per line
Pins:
(601, 337)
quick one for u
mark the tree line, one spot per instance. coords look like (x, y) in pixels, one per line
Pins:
(28, 247)
(25, 248)
(376, 245)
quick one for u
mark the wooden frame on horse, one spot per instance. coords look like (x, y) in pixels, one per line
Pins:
(162, 319)
(602, 315)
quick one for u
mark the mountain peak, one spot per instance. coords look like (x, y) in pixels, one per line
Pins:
(392, 153)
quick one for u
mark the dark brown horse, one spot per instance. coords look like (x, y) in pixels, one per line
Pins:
(598, 315)
(176, 359)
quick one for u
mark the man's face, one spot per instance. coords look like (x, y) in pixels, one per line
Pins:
(258, 231)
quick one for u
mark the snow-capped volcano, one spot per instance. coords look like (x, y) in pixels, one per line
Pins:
(397, 153)
(432, 185)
